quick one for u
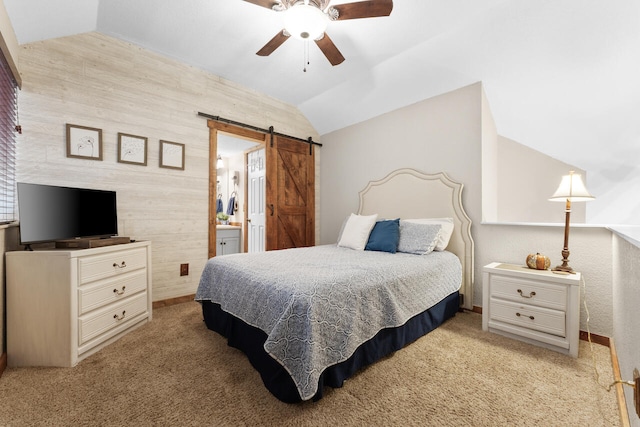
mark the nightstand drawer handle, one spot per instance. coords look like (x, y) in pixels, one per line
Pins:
(117, 292)
(531, 294)
(524, 315)
(118, 318)
(123, 265)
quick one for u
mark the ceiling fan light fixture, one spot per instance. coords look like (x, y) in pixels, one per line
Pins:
(305, 22)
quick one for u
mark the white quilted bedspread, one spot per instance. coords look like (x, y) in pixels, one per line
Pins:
(318, 304)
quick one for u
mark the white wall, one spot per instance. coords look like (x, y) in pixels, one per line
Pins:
(444, 134)
(97, 81)
(616, 188)
(438, 134)
(489, 163)
(626, 321)
(526, 180)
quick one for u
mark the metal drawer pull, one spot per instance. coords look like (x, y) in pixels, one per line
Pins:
(524, 315)
(531, 294)
(117, 292)
(118, 318)
(122, 265)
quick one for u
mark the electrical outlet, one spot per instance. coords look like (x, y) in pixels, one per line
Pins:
(636, 390)
(184, 269)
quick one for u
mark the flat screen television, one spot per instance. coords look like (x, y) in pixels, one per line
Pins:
(48, 213)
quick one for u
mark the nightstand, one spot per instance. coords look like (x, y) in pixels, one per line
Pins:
(540, 307)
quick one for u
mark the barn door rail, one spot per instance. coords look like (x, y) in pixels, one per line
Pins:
(269, 131)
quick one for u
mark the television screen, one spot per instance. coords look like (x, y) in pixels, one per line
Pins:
(48, 213)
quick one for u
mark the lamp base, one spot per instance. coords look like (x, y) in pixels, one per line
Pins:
(565, 254)
(564, 269)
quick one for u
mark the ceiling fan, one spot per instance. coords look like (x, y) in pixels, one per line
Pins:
(308, 19)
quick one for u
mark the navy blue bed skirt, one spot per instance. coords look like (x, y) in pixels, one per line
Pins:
(277, 380)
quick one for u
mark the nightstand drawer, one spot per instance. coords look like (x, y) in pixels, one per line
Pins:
(530, 292)
(111, 290)
(528, 316)
(96, 267)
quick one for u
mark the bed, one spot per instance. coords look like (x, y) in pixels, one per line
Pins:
(308, 318)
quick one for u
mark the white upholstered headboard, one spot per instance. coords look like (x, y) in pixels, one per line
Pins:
(407, 193)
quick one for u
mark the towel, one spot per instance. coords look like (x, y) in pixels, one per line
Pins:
(231, 206)
(219, 207)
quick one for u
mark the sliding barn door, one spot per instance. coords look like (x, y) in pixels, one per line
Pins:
(290, 213)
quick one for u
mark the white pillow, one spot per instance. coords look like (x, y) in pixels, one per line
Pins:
(356, 231)
(445, 231)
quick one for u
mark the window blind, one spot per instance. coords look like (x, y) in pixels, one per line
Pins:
(8, 114)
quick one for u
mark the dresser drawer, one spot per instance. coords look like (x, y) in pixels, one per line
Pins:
(110, 317)
(530, 292)
(107, 291)
(529, 316)
(96, 267)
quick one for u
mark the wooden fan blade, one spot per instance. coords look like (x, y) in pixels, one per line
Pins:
(364, 9)
(273, 44)
(330, 50)
(264, 3)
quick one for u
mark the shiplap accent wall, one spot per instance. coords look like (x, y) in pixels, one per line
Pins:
(97, 81)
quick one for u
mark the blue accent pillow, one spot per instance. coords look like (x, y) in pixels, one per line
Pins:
(384, 236)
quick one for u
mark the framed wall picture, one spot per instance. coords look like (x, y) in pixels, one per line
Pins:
(171, 155)
(84, 142)
(132, 149)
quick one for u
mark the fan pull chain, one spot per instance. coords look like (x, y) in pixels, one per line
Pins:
(306, 56)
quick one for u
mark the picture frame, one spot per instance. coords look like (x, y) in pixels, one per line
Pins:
(84, 142)
(171, 155)
(132, 149)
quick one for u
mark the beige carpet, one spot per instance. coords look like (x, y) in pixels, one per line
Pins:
(174, 371)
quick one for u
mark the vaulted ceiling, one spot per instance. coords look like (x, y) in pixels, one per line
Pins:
(561, 76)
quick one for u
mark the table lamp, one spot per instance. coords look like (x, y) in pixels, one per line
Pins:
(571, 189)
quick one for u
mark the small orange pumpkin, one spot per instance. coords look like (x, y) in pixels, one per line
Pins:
(538, 261)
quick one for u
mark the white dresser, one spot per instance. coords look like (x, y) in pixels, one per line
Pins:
(64, 305)
(537, 306)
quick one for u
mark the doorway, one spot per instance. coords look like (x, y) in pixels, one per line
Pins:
(228, 190)
(287, 203)
(241, 177)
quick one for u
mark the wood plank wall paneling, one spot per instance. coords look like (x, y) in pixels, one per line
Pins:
(98, 81)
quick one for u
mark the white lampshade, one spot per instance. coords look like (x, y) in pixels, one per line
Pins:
(571, 188)
(305, 22)
(219, 163)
